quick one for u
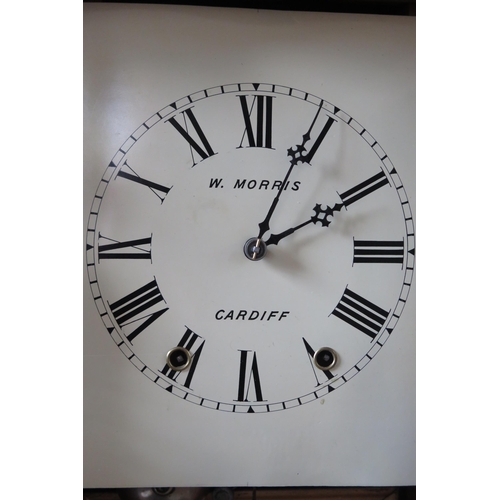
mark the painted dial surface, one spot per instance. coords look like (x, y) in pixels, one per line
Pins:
(250, 248)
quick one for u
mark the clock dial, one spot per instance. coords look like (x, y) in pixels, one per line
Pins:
(250, 248)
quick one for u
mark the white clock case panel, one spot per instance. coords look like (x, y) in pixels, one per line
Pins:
(137, 60)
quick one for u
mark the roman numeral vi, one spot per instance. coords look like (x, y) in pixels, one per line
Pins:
(249, 372)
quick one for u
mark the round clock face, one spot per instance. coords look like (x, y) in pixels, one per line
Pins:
(250, 248)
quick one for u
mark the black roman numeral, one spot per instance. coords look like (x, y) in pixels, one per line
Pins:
(303, 154)
(319, 139)
(202, 148)
(360, 313)
(310, 351)
(249, 373)
(159, 190)
(189, 341)
(364, 188)
(260, 134)
(129, 309)
(378, 252)
(132, 249)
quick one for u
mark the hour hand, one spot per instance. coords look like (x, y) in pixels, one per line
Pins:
(321, 216)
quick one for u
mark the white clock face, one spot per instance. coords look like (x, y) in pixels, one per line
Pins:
(286, 318)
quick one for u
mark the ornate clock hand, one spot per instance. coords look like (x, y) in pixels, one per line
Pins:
(274, 239)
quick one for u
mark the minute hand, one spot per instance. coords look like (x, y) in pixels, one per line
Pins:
(320, 215)
(264, 225)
